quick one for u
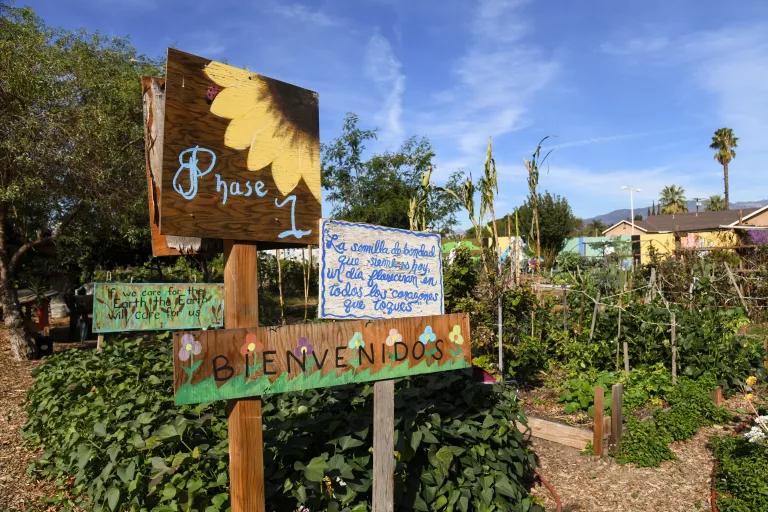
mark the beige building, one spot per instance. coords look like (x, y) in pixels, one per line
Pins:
(665, 234)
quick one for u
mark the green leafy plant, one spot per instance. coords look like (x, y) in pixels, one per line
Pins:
(691, 407)
(740, 477)
(113, 438)
(578, 393)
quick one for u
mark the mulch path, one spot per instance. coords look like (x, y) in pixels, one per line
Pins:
(594, 484)
(18, 491)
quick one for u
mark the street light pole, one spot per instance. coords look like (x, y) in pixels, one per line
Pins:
(632, 191)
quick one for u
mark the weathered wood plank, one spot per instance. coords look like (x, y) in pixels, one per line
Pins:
(383, 446)
(567, 435)
(597, 428)
(153, 92)
(244, 425)
(617, 418)
(241, 155)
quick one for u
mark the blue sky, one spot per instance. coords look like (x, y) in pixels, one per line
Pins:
(630, 92)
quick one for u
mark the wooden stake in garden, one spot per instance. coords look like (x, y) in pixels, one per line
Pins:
(597, 428)
(594, 316)
(673, 343)
(383, 446)
(617, 419)
(736, 287)
(651, 286)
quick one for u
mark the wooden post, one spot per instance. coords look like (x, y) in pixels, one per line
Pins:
(565, 308)
(597, 429)
(736, 287)
(383, 446)
(626, 356)
(618, 335)
(241, 309)
(594, 316)
(673, 343)
(99, 343)
(651, 286)
(718, 396)
(617, 391)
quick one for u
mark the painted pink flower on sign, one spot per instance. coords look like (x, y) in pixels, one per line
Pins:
(304, 347)
(394, 337)
(189, 347)
(252, 344)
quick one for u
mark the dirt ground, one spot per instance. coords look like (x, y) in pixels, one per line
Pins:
(18, 491)
(593, 484)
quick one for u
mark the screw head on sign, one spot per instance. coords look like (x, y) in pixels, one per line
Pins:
(211, 93)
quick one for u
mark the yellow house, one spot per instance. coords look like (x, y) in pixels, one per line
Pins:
(667, 234)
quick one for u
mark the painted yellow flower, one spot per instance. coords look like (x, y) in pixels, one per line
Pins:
(455, 335)
(277, 121)
(749, 397)
(751, 380)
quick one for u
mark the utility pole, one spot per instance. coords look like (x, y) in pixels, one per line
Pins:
(632, 191)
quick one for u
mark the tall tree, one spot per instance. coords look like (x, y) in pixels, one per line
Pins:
(379, 189)
(557, 221)
(672, 200)
(71, 152)
(724, 143)
(716, 203)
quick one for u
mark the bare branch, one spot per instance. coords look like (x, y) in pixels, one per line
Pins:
(43, 239)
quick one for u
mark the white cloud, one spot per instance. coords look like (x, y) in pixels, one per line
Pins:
(635, 46)
(731, 65)
(304, 14)
(595, 140)
(384, 69)
(497, 78)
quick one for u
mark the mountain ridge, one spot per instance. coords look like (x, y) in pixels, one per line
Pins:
(615, 216)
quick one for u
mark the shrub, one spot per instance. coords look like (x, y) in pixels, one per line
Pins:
(740, 478)
(644, 444)
(690, 408)
(114, 439)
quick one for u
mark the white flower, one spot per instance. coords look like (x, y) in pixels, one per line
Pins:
(759, 432)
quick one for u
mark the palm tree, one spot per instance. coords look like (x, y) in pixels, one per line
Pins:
(595, 227)
(715, 203)
(672, 200)
(724, 142)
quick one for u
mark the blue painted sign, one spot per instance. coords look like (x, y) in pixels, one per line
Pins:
(376, 272)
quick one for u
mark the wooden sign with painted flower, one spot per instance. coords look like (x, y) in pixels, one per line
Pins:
(241, 154)
(236, 363)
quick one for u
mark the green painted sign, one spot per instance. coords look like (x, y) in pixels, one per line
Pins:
(121, 307)
(222, 364)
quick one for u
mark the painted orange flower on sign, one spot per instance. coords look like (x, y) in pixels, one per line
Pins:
(252, 344)
(268, 121)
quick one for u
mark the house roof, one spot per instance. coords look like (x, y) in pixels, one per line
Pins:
(756, 211)
(692, 221)
(624, 221)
